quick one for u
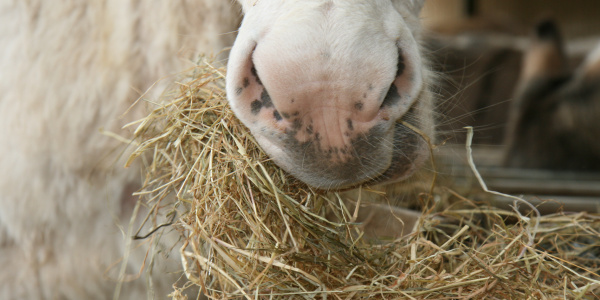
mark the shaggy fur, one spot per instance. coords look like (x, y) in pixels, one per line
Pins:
(68, 70)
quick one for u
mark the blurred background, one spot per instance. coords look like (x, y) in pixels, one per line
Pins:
(478, 47)
(578, 18)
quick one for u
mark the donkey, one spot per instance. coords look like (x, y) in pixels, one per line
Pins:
(322, 84)
(554, 119)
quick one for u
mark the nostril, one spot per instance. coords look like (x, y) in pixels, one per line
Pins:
(255, 74)
(253, 70)
(392, 97)
(247, 94)
(254, 94)
(401, 66)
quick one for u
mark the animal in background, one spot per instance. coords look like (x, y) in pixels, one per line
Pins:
(554, 119)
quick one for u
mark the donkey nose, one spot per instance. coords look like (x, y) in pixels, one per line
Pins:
(321, 104)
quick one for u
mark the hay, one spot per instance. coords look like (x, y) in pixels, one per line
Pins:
(250, 231)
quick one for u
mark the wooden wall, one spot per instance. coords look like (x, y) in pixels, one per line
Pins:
(578, 18)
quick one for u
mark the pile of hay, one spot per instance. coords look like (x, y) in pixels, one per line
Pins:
(251, 231)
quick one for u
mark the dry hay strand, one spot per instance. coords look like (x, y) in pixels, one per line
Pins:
(251, 231)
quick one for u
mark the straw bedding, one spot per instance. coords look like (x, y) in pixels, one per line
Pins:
(251, 231)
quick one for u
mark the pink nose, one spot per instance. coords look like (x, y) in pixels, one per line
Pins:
(323, 111)
(324, 135)
(327, 113)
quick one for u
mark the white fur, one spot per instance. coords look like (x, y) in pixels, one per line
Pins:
(67, 70)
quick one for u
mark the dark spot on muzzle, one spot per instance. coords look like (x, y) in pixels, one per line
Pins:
(358, 105)
(255, 107)
(309, 129)
(317, 137)
(265, 101)
(245, 84)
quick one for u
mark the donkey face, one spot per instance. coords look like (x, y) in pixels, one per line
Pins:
(321, 84)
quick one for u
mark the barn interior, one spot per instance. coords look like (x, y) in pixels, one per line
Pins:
(478, 46)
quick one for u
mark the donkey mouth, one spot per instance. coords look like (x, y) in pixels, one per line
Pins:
(388, 152)
(408, 153)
